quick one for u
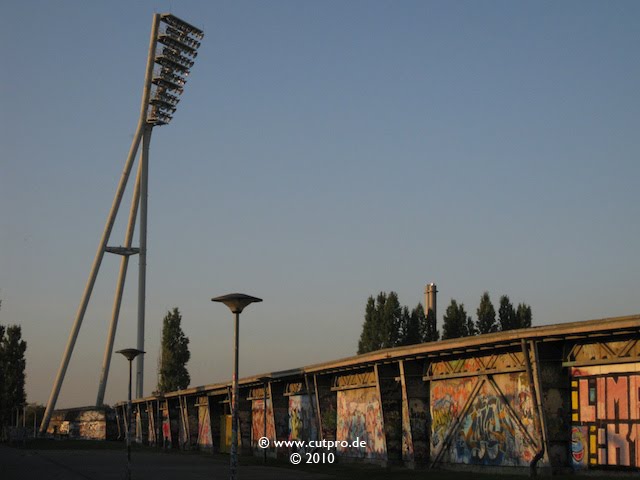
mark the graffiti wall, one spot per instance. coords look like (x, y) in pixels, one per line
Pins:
(258, 422)
(138, 430)
(302, 421)
(418, 416)
(485, 423)
(205, 440)
(359, 415)
(605, 415)
(166, 428)
(448, 398)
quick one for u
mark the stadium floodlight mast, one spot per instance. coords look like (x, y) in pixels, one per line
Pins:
(173, 47)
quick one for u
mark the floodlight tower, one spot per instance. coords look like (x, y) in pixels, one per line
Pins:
(173, 47)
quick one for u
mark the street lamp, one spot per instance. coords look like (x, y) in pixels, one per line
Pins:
(236, 303)
(129, 354)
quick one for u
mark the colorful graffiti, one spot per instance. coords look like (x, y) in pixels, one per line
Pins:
(359, 415)
(166, 428)
(496, 428)
(579, 446)
(448, 398)
(138, 432)
(257, 422)
(407, 439)
(302, 422)
(605, 404)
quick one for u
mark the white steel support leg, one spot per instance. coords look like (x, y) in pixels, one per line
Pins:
(117, 301)
(142, 272)
(73, 336)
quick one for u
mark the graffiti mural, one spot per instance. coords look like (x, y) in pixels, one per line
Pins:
(138, 431)
(302, 422)
(258, 422)
(605, 404)
(408, 453)
(166, 428)
(448, 398)
(494, 428)
(360, 416)
(579, 446)
(205, 439)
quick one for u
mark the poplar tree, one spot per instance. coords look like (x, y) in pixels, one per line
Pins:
(486, 315)
(12, 368)
(454, 321)
(383, 321)
(506, 314)
(173, 374)
(523, 316)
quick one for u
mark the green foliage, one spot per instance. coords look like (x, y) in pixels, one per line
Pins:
(388, 324)
(511, 318)
(523, 316)
(486, 315)
(382, 323)
(413, 326)
(429, 331)
(12, 371)
(173, 374)
(454, 321)
(506, 314)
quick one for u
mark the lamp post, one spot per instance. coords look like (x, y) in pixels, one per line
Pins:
(236, 303)
(129, 354)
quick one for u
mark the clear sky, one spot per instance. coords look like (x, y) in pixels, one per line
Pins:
(322, 152)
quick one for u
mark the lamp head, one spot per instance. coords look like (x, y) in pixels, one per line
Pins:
(130, 353)
(236, 301)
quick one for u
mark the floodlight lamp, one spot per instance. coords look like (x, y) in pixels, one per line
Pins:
(169, 63)
(174, 21)
(175, 56)
(176, 44)
(169, 76)
(163, 83)
(163, 105)
(182, 37)
(167, 97)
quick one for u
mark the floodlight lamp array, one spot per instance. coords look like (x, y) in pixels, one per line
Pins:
(178, 47)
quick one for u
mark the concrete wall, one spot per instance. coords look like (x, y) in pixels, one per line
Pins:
(558, 398)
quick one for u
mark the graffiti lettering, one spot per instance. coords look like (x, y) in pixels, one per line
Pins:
(606, 402)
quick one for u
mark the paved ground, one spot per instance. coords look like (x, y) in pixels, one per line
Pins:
(27, 464)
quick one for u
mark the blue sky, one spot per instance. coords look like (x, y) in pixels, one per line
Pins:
(322, 152)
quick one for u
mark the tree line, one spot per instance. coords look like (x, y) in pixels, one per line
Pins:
(389, 324)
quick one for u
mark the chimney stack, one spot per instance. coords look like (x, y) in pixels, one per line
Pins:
(430, 292)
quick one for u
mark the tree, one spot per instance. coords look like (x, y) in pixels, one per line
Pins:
(413, 326)
(523, 316)
(173, 374)
(12, 364)
(471, 328)
(506, 314)
(369, 338)
(430, 331)
(454, 321)
(390, 320)
(382, 323)
(486, 315)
